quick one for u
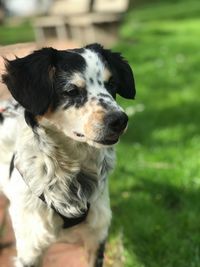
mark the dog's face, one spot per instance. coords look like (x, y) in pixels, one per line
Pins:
(75, 90)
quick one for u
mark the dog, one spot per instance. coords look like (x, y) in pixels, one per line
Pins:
(58, 148)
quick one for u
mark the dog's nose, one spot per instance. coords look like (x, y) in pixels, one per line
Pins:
(116, 121)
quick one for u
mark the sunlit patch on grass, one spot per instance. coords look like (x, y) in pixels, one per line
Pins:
(168, 134)
(131, 110)
(115, 252)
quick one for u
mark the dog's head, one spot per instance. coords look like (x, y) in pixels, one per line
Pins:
(75, 90)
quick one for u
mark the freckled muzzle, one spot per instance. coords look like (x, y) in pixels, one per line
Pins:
(106, 127)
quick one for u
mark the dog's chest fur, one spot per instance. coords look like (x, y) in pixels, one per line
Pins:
(69, 174)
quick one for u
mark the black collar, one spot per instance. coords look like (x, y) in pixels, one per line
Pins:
(69, 222)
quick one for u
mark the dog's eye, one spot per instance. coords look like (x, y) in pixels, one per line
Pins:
(73, 90)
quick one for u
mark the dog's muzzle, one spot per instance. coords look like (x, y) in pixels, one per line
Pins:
(115, 124)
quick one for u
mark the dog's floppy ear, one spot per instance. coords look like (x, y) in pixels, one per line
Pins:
(122, 73)
(29, 80)
(120, 69)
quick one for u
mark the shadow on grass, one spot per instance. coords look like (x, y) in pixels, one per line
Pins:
(161, 223)
(184, 117)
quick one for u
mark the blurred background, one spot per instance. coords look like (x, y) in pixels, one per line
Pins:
(155, 188)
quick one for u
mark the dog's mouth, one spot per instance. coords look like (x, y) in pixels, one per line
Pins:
(79, 134)
(107, 141)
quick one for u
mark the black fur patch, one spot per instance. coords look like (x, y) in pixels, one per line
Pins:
(1, 118)
(11, 168)
(30, 119)
(91, 81)
(99, 82)
(77, 102)
(98, 74)
(103, 103)
(105, 96)
(28, 80)
(88, 183)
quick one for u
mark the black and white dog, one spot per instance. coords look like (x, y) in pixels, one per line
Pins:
(63, 150)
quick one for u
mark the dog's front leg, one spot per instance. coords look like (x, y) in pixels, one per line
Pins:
(28, 255)
(20, 263)
(32, 236)
(96, 230)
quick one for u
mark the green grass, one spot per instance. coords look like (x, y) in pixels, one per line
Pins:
(19, 33)
(155, 189)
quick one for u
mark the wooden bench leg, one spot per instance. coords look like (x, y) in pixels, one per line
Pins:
(39, 34)
(61, 32)
(83, 34)
(90, 34)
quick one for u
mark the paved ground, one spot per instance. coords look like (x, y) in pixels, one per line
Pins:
(60, 255)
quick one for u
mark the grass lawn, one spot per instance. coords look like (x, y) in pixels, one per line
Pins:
(19, 33)
(155, 189)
